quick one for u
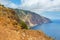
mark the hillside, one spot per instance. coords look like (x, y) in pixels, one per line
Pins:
(12, 28)
(10, 17)
(31, 18)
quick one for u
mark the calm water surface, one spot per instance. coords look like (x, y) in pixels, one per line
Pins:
(51, 29)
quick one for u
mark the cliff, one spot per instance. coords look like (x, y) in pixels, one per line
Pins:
(11, 27)
(31, 18)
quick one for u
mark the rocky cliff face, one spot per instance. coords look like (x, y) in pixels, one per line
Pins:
(11, 27)
(31, 18)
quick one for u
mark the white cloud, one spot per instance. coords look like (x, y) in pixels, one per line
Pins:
(8, 3)
(40, 4)
(34, 5)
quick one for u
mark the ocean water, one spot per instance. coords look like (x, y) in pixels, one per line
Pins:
(50, 29)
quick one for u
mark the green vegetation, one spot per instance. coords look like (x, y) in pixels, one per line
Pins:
(23, 25)
(1, 5)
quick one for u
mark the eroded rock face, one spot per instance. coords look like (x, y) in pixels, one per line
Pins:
(31, 18)
(10, 29)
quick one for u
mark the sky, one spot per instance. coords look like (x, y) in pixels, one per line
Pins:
(17, 2)
(47, 8)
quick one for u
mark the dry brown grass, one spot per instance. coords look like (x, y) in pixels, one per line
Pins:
(10, 29)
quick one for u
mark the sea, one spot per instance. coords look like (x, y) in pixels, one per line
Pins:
(51, 29)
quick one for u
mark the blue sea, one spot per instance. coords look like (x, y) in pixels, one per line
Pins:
(50, 29)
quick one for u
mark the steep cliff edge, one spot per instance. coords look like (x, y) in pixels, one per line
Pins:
(31, 18)
(11, 27)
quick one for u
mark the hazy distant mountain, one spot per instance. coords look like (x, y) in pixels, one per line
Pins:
(31, 18)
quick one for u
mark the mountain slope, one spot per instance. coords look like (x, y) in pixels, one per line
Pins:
(11, 27)
(31, 18)
(9, 16)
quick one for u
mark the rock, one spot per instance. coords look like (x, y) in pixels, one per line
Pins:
(31, 18)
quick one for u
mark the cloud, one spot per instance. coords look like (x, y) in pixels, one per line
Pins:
(40, 4)
(34, 5)
(8, 3)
